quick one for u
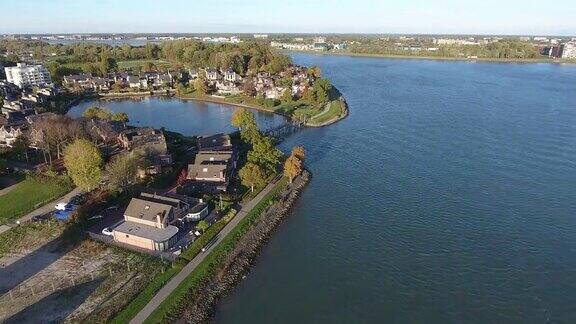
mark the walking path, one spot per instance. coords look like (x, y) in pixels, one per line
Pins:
(40, 211)
(187, 270)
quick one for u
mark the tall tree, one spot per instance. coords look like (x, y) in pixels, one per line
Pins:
(265, 155)
(252, 176)
(122, 171)
(83, 161)
(299, 152)
(292, 167)
(200, 85)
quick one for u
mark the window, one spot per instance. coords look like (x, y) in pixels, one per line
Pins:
(205, 170)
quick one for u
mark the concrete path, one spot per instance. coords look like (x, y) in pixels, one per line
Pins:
(8, 189)
(40, 211)
(185, 272)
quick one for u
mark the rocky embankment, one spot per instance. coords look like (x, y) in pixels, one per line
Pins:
(203, 301)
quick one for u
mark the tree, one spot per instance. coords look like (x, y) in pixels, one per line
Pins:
(122, 171)
(121, 117)
(299, 152)
(21, 145)
(265, 155)
(202, 226)
(200, 85)
(249, 89)
(292, 167)
(83, 161)
(252, 176)
(287, 96)
(315, 72)
(107, 64)
(149, 67)
(246, 122)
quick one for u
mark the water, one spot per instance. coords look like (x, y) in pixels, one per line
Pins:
(447, 196)
(188, 117)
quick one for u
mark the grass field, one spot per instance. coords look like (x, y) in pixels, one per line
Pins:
(29, 195)
(333, 112)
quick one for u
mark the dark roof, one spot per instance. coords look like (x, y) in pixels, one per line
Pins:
(214, 142)
(206, 171)
(147, 210)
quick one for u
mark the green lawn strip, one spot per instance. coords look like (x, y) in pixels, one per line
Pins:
(333, 112)
(29, 195)
(173, 304)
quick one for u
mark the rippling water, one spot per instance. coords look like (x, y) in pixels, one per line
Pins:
(188, 117)
(448, 195)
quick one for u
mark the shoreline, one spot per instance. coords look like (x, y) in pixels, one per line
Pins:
(203, 301)
(435, 58)
(211, 99)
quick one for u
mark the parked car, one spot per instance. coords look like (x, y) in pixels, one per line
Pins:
(40, 218)
(62, 206)
(79, 199)
(96, 217)
(107, 231)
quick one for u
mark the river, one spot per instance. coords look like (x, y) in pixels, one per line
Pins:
(447, 196)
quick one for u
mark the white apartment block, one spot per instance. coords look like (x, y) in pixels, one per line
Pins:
(569, 51)
(24, 75)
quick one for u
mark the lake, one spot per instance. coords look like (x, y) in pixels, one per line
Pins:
(447, 196)
(189, 117)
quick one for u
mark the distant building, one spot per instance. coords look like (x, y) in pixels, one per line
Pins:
(569, 50)
(261, 36)
(24, 75)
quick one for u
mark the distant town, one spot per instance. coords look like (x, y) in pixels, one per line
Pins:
(454, 46)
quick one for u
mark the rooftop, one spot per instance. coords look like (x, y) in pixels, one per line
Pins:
(147, 210)
(149, 232)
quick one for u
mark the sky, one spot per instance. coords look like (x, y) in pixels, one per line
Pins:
(510, 17)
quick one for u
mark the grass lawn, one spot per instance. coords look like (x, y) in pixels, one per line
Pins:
(29, 195)
(333, 112)
(138, 63)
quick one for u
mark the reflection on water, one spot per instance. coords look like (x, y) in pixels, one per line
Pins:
(189, 117)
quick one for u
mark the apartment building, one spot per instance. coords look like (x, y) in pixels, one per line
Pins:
(24, 75)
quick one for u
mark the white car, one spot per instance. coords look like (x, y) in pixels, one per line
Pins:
(61, 206)
(107, 231)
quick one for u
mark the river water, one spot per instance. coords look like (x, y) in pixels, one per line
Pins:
(447, 196)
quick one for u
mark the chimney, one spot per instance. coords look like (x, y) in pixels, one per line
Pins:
(159, 220)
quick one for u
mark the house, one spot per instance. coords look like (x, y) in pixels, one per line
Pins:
(78, 80)
(193, 74)
(218, 142)
(227, 87)
(212, 75)
(212, 167)
(152, 142)
(8, 135)
(148, 222)
(232, 76)
(274, 93)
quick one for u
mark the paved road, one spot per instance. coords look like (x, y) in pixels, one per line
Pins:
(177, 280)
(40, 211)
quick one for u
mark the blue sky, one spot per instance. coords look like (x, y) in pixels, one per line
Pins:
(297, 16)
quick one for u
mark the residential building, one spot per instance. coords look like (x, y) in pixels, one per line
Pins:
(212, 75)
(24, 75)
(152, 142)
(213, 167)
(569, 50)
(8, 135)
(218, 142)
(148, 222)
(231, 76)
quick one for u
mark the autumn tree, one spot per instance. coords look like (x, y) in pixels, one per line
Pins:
(246, 122)
(252, 176)
(122, 170)
(200, 85)
(292, 167)
(83, 161)
(299, 152)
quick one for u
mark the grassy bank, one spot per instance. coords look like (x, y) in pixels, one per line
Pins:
(208, 267)
(31, 194)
